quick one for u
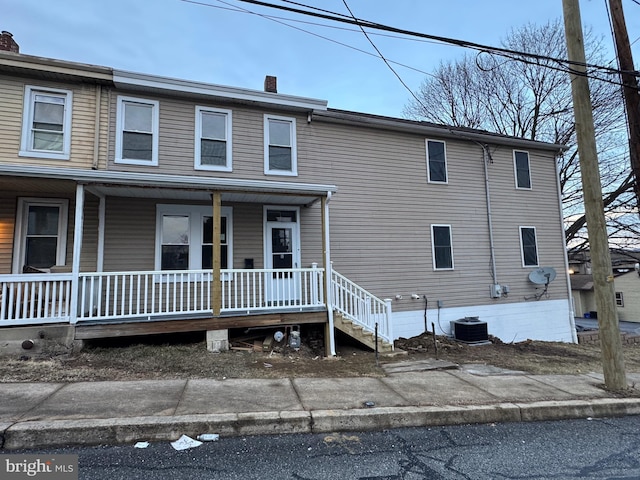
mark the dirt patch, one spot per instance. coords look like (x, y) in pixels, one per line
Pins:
(186, 356)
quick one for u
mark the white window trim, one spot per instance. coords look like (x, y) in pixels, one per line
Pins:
(535, 233)
(294, 152)
(27, 120)
(19, 239)
(433, 247)
(155, 119)
(619, 299)
(515, 170)
(198, 136)
(446, 164)
(195, 214)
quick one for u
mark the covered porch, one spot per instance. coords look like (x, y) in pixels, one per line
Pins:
(282, 280)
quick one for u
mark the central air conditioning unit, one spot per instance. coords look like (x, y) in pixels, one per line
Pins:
(470, 330)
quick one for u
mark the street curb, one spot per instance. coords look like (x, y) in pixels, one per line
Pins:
(58, 433)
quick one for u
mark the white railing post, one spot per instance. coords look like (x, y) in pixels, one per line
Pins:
(388, 315)
(314, 283)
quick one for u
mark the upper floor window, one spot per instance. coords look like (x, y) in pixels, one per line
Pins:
(529, 246)
(619, 299)
(213, 139)
(442, 247)
(436, 162)
(46, 123)
(521, 168)
(280, 145)
(40, 234)
(137, 131)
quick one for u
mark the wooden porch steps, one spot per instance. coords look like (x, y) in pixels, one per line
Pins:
(358, 333)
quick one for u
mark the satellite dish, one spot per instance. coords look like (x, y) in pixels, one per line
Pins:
(543, 275)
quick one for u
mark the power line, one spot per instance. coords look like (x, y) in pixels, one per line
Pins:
(564, 65)
(383, 58)
(461, 43)
(283, 21)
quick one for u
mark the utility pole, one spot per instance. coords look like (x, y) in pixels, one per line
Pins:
(612, 359)
(630, 90)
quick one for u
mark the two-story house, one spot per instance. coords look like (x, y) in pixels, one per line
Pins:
(135, 204)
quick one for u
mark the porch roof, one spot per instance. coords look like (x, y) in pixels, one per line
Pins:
(135, 184)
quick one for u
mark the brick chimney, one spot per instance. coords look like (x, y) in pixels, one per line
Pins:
(7, 43)
(271, 84)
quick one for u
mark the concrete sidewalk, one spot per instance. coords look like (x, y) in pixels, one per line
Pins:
(34, 415)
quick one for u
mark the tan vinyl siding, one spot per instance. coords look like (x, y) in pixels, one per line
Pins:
(130, 234)
(629, 285)
(7, 220)
(385, 245)
(82, 123)
(89, 255)
(381, 216)
(247, 234)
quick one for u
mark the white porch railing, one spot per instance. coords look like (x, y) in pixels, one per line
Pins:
(122, 295)
(34, 298)
(265, 289)
(30, 299)
(361, 307)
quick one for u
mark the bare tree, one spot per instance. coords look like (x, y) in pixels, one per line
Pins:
(532, 99)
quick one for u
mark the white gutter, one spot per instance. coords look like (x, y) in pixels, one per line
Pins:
(165, 181)
(124, 79)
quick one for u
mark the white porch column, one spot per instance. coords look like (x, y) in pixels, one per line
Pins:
(78, 228)
(326, 246)
(102, 206)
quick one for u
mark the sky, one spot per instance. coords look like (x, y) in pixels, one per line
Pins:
(214, 41)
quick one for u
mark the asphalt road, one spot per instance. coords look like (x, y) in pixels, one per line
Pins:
(577, 449)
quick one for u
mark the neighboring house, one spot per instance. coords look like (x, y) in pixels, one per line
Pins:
(116, 187)
(627, 285)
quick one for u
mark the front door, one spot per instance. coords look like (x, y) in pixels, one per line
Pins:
(282, 252)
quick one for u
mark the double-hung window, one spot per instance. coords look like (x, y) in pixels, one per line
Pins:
(529, 246)
(619, 299)
(137, 131)
(40, 234)
(442, 247)
(436, 162)
(184, 238)
(521, 169)
(46, 124)
(280, 156)
(213, 139)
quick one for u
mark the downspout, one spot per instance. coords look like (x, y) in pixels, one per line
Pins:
(96, 126)
(486, 157)
(572, 319)
(328, 274)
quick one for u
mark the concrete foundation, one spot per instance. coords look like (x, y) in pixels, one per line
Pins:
(218, 340)
(49, 340)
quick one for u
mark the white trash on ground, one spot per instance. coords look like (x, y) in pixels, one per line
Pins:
(185, 442)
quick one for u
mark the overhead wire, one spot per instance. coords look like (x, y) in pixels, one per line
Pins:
(564, 65)
(283, 20)
(384, 59)
(447, 40)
